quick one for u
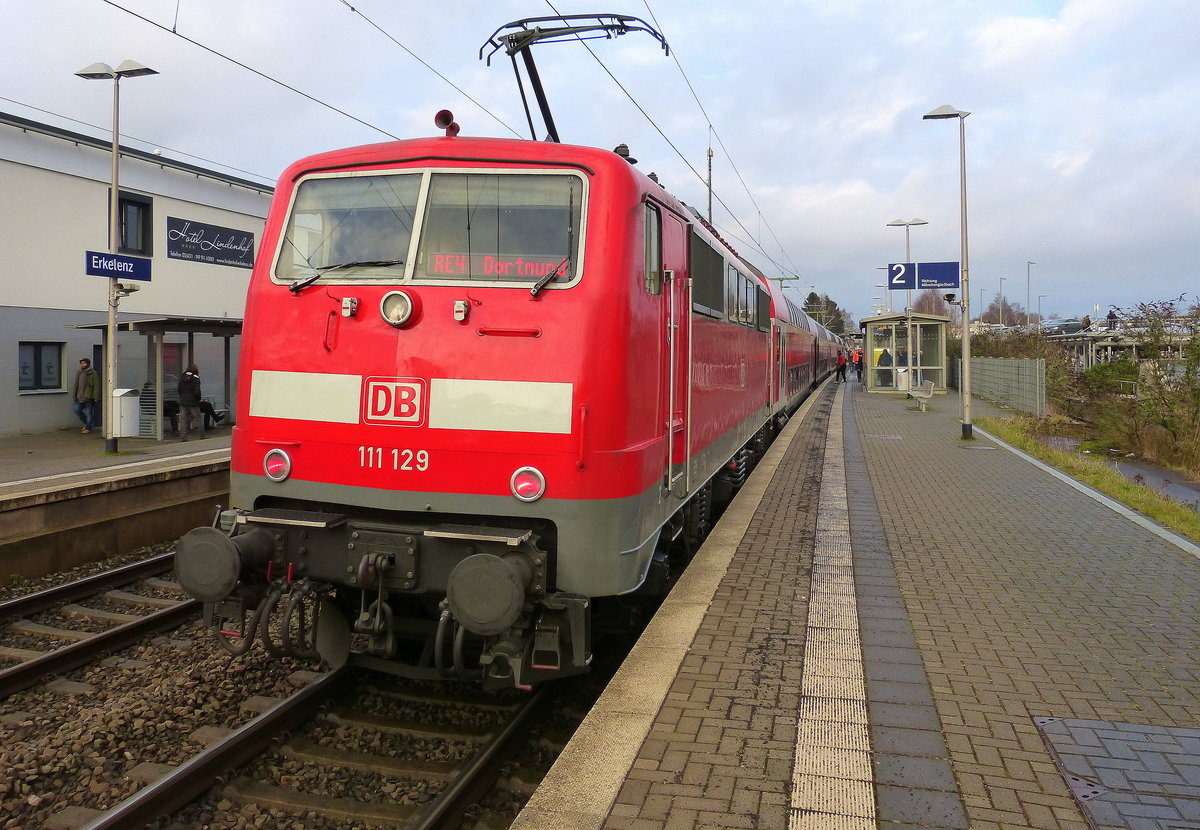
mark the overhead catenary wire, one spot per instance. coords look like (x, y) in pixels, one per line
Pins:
(422, 61)
(729, 156)
(650, 120)
(101, 128)
(750, 237)
(251, 69)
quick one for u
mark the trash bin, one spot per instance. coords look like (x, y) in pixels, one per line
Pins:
(125, 413)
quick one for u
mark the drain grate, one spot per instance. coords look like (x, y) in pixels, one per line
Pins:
(1083, 789)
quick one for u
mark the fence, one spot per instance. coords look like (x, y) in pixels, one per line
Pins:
(1018, 383)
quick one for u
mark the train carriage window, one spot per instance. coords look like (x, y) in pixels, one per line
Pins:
(746, 302)
(654, 269)
(340, 220)
(733, 294)
(501, 227)
(708, 278)
(764, 310)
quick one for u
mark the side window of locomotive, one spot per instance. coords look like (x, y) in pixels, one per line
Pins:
(501, 228)
(708, 278)
(338, 221)
(654, 269)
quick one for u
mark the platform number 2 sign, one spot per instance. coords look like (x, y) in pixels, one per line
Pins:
(902, 275)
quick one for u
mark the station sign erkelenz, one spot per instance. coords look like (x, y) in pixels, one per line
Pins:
(919, 275)
(116, 266)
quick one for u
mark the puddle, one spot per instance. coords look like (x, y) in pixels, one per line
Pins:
(1171, 484)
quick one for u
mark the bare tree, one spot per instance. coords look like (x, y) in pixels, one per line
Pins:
(931, 301)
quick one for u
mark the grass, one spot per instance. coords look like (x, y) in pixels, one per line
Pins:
(1099, 475)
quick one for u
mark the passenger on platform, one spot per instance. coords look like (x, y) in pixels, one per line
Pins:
(885, 375)
(189, 401)
(1112, 319)
(211, 416)
(171, 410)
(840, 374)
(858, 363)
(87, 392)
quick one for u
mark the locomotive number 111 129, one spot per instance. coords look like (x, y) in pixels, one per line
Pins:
(391, 458)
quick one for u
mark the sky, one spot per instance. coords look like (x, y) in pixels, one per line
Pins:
(1082, 145)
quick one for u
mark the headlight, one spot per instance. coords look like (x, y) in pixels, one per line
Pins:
(396, 308)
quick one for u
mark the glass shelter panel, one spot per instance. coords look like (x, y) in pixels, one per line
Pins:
(883, 356)
(931, 351)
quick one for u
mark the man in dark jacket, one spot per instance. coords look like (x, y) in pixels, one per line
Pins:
(189, 401)
(87, 392)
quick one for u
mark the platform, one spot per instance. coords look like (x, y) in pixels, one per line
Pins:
(64, 501)
(894, 627)
(43, 456)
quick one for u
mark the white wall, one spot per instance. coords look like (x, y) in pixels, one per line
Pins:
(56, 208)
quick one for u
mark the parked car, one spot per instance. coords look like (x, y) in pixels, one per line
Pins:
(1062, 326)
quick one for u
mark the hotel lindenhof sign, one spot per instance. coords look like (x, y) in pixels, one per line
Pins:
(200, 242)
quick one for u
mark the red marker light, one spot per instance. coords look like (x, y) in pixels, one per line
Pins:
(277, 465)
(528, 484)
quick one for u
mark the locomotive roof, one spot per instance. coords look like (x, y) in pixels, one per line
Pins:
(462, 148)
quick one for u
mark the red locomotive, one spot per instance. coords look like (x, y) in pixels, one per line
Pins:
(484, 384)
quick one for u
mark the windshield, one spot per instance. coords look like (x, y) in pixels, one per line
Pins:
(340, 221)
(510, 227)
(519, 228)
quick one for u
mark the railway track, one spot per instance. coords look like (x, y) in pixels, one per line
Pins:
(291, 762)
(80, 634)
(159, 730)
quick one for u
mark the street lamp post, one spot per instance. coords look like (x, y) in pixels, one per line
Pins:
(889, 294)
(99, 72)
(1040, 296)
(947, 111)
(1002, 302)
(1027, 264)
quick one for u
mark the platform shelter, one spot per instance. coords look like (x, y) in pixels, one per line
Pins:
(901, 351)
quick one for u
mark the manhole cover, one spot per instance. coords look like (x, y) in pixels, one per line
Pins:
(1115, 770)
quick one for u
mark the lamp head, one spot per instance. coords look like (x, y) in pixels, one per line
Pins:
(132, 69)
(127, 69)
(945, 111)
(97, 71)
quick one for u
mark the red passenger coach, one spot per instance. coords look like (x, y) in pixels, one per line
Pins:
(484, 384)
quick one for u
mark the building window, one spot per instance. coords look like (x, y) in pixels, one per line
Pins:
(136, 228)
(40, 366)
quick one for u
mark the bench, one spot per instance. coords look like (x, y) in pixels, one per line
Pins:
(922, 393)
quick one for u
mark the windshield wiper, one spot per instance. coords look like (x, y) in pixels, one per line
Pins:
(546, 280)
(365, 263)
(300, 285)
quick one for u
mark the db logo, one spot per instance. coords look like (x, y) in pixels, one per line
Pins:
(394, 401)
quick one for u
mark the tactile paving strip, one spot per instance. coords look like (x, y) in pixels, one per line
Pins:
(833, 787)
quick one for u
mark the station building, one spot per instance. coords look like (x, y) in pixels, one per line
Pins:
(199, 230)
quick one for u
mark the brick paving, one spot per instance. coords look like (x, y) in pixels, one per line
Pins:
(1028, 599)
(1004, 616)
(720, 754)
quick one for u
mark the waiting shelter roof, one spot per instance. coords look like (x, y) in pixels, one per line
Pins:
(216, 326)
